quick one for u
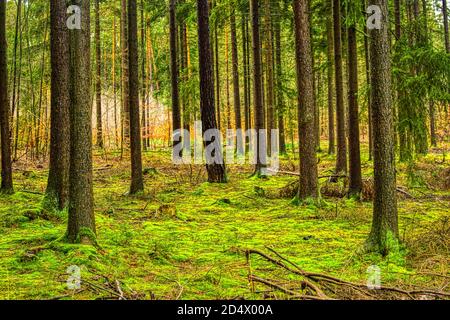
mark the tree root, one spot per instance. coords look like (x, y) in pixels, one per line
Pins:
(318, 286)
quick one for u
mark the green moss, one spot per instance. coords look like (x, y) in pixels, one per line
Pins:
(196, 244)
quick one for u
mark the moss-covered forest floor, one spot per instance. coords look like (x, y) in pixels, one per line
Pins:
(183, 238)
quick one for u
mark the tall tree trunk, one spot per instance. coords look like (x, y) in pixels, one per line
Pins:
(81, 224)
(305, 88)
(137, 180)
(58, 176)
(114, 44)
(330, 49)
(176, 116)
(125, 74)
(244, 25)
(269, 74)
(367, 65)
(216, 171)
(236, 87)
(217, 75)
(279, 86)
(16, 44)
(341, 160)
(261, 132)
(385, 219)
(143, 79)
(98, 78)
(7, 182)
(355, 185)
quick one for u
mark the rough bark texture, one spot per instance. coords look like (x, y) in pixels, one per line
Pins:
(385, 220)
(58, 176)
(355, 185)
(7, 182)
(137, 180)
(260, 140)
(98, 78)
(176, 115)
(341, 160)
(216, 172)
(81, 224)
(306, 109)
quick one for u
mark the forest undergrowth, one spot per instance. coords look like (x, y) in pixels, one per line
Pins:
(187, 239)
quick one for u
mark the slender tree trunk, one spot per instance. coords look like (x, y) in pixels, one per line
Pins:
(137, 180)
(355, 185)
(397, 13)
(385, 219)
(341, 160)
(114, 44)
(176, 116)
(269, 74)
(330, 49)
(125, 74)
(367, 65)
(236, 87)
(261, 132)
(433, 124)
(244, 24)
(279, 89)
(143, 79)
(445, 14)
(217, 71)
(216, 171)
(98, 78)
(305, 88)
(81, 224)
(7, 181)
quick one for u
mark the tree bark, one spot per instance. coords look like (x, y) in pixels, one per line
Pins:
(125, 74)
(58, 177)
(176, 116)
(385, 219)
(306, 110)
(7, 181)
(236, 87)
(279, 88)
(216, 171)
(330, 49)
(355, 185)
(261, 132)
(341, 160)
(137, 180)
(98, 79)
(81, 224)
(445, 15)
